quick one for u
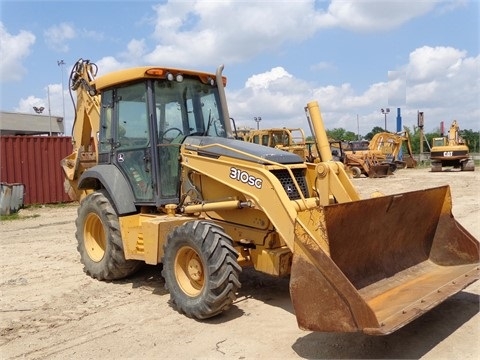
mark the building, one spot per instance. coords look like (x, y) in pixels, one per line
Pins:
(30, 160)
(30, 124)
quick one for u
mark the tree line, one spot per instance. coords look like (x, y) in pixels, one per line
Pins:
(471, 137)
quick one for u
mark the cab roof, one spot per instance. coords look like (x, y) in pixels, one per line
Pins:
(145, 72)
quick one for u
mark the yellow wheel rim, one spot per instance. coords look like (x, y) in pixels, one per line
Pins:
(189, 271)
(94, 237)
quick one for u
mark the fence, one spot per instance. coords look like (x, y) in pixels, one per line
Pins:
(34, 161)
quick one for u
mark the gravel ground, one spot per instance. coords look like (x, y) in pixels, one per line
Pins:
(50, 309)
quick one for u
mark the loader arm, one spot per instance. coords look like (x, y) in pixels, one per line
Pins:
(265, 196)
(332, 181)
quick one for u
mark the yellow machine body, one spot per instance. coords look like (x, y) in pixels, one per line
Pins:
(451, 151)
(355, 265)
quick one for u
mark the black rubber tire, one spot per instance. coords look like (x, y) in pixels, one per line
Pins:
(356, 172)
(436, 166)
(468, 165)
(100, 241)
(200, 269)
(393, 167)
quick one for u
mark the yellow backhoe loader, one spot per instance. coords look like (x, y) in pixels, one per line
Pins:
(360, 160)
(161, 179)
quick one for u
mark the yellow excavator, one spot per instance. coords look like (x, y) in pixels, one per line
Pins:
(451, 151)
(161, 179)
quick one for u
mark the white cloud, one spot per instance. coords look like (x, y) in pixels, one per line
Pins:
(52, 102)
(442, 82)
(376, 15)
(275, 95)
(14, 49)
(26, 105)
(109, 64)
(52, 98)
(56, 37)
(427, 63)
(263, 81)
(231, 32)
(445, 83)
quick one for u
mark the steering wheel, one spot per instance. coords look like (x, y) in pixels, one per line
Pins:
(180, 132)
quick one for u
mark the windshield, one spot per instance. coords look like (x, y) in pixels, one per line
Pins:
(188, 108)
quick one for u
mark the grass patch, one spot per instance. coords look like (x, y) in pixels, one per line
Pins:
(50, 206)
(16, 216)
(21, 215)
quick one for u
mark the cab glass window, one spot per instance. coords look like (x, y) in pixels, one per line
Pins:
(132, 130)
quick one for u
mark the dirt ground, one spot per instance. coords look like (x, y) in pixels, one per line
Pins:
(50, 309)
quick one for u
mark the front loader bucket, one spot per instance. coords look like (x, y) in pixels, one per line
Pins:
(381, 170)
(375, 265)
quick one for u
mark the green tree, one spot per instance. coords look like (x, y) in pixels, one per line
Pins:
(341, 134)
(472, 138)
(375, 130)
(415, 139)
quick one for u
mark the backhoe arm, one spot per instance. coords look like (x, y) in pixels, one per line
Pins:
(85, 127)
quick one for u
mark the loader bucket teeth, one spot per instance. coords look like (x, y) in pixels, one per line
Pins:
(376, 274)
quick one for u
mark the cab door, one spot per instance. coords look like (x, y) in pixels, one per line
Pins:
(132, 148)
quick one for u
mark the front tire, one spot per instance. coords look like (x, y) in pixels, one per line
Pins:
(100, 241)
(200, 269)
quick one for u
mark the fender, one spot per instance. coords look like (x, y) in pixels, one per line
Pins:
(112, 179)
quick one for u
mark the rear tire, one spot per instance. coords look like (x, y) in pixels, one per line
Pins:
(200, 269)
(100, 241)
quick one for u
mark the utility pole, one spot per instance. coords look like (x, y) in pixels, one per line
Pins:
(358, 129)
(49, 112)
(257, 120)
(385, 112)
(61, 63)
(420, 123)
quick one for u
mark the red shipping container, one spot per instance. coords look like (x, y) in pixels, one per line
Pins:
(35, 162)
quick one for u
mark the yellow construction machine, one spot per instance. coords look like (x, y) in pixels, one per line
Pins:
(360, 160)
(379, 157)
(161, 179)
(390, 146)
(451, 151)
(287, 139)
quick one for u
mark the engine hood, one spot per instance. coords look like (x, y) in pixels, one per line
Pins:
(216, 147)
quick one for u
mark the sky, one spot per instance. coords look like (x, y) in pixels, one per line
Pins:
(353, 57)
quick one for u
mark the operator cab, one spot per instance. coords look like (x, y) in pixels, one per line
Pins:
(143, 125)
